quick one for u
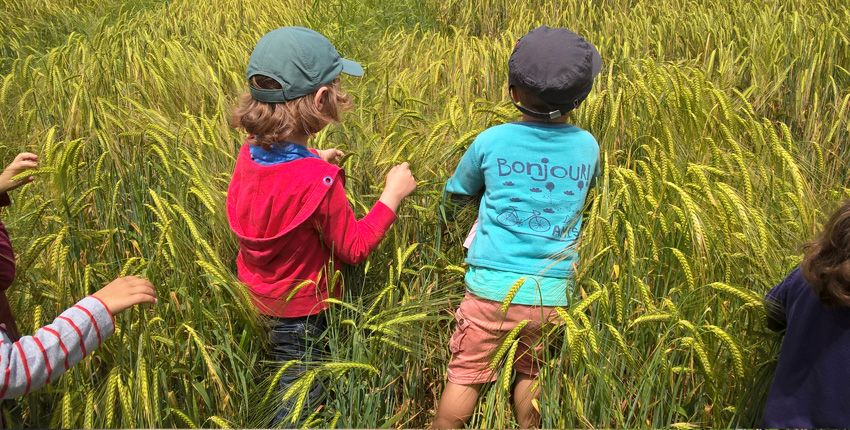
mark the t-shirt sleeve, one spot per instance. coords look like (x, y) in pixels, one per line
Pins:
(466, 185)
(468, 178)
(775, 303)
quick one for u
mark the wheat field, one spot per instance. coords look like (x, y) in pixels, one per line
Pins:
(723, 127)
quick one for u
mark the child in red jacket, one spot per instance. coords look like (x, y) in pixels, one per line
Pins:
(286, 203)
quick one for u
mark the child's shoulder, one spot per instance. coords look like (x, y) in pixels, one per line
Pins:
(793, 283)
(795, 278)
(506, 132)
(497, 131)
(574, 132)
(574, 138)
(520, 127)
(535, 138)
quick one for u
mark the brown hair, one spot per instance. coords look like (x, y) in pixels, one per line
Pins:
(275, 122)
(826, 264)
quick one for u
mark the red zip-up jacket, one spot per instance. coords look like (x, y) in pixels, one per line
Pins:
(290, 220)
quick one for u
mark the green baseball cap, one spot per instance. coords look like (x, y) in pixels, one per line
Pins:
(300, 60)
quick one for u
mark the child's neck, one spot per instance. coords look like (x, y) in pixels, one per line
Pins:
(561, 120)
(298, 138)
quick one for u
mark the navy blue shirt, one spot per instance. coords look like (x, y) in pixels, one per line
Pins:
(811, 386)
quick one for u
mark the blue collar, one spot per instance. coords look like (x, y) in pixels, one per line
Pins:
(280, 152)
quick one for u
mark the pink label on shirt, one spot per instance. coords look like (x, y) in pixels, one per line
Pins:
(469, 237)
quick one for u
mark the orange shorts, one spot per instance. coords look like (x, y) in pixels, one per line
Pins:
(480, 329)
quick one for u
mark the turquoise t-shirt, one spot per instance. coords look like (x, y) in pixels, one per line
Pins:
(534, 178)
(493, 284)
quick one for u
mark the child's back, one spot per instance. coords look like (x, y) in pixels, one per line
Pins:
(286, 203)
(274, 211)
(535, 178)
(810, 387)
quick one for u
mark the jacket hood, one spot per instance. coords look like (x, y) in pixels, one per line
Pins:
(265, 203)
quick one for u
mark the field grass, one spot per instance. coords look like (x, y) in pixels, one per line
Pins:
(724, 129)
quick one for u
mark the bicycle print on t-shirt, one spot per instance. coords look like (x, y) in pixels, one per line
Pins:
(551, 195)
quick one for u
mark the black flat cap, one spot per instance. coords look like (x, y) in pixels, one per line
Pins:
(556, 64)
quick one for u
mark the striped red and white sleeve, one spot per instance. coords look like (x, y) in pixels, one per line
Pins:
(36, 360)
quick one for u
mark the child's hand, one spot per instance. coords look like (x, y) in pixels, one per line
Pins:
(400, 183)
(22, 162)
(331, 155)
(125, 292)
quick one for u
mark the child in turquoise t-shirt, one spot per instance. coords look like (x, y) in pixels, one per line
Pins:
(533, 178)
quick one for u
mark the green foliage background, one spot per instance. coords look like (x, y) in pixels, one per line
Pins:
(723, 127)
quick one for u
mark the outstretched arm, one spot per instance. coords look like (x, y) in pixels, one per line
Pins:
(351, 240)
(36, 360)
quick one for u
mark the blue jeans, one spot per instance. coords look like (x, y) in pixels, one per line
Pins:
(297, 339)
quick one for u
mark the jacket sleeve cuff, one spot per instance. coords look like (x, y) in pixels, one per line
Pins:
(4, 199)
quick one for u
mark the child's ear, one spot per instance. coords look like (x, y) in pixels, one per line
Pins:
(320, 98)
(512, 93)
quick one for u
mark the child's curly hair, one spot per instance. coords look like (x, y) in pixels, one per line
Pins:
(270, 123)
(826, 264)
